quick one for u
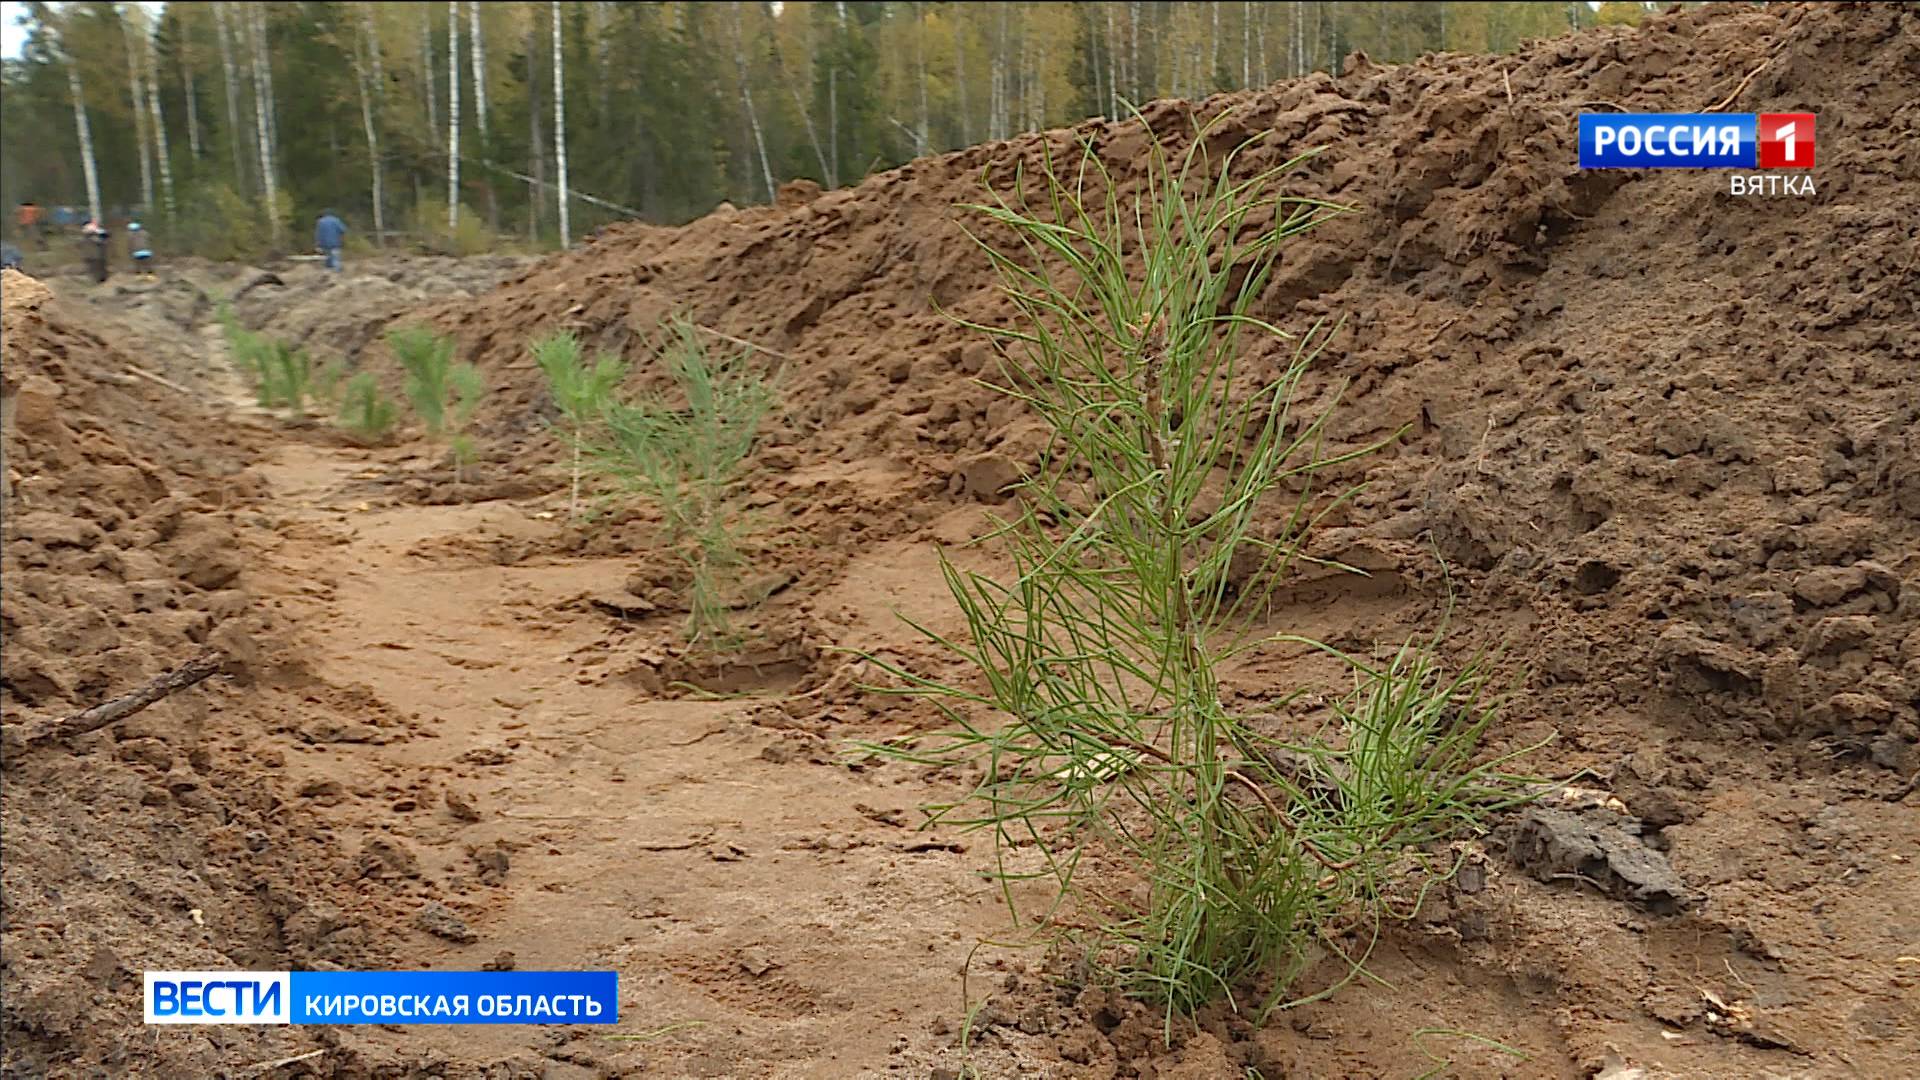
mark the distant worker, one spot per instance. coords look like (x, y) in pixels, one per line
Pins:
(96, 237)
(142, 244)
(328, 233)
(27, 218)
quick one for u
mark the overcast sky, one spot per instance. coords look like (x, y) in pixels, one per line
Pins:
(12, 34)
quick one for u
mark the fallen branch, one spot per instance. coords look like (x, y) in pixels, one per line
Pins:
(88, 720)
(151, 377)
(269, 1066)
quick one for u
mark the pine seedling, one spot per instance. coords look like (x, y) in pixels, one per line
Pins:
(469, 388)
(690, 457)
(1138, 569)
(426, 357)
(366, 412)
(286, 377)
(580, 391)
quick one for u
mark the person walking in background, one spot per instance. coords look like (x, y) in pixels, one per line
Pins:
(142, 244)
(96, 237)
(328, 233)
(27, 219)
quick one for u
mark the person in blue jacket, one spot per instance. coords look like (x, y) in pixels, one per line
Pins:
(142, 246)
(328, 233)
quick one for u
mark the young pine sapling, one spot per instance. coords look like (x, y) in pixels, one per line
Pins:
(1172, 497)
(581, 391)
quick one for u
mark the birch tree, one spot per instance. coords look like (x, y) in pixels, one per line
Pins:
(365, 44)
(158, 118)
(560, 127)
(263, 121)
(427, 68)
(477, 46)
(806, 114)
(81, 127)
(263, 65)
(136, 93)
(225, 33)
(920, 61)
(453, 116)
(184, 57)
(746, 96)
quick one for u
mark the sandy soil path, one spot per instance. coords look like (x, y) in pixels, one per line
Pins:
(742, 881)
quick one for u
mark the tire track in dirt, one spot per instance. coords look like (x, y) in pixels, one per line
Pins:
(718, 865)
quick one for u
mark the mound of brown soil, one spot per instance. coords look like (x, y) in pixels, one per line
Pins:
(168, 839)
(1672, 427)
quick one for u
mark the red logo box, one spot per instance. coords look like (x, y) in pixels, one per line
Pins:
(1786, 140)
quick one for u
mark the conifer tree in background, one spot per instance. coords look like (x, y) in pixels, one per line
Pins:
(676, 106)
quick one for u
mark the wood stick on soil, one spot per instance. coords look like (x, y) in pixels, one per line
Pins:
(151, 377)
(162, 686)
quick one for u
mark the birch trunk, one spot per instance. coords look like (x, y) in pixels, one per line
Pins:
(536, 142)
(1246, 44)
(136, 93)
(920, 60)
(262, 126)
(1133, 48)
(806, 118)
(1113, 82)
(361, 79)
(374, 61)
(85, 131)
(1209, 80)
(159, 120)
(453, 117)
(426, 66)
(265, 61)
(746, 96)
(477, 46)
(560, 127)
(188, 91)
(960, 75)
(233, 96)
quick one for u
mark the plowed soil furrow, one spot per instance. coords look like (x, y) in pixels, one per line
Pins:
(738, 891)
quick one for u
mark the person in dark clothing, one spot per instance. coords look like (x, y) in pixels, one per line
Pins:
(328, 234)
(96, 238)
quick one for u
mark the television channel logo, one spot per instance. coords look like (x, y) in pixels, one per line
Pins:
(1697, 140)
(382, 997)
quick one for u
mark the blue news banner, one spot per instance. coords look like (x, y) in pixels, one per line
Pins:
(382, 997)
(1669, 140)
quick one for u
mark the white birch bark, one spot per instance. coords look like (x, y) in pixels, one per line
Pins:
(188, 90)
(264, 60)
(453, 116)
(426, 67)
(262, 125)
(136, 93)
(960, 74)
(1133, 48)
(1213, 50)
(920, 60)
(560, 127)
(233, 95)
(362, 47)
(85, 131)
(477, 45)
(806, 116)
(536, 142)
(1113, 82)
(746, 96)
(1246, 44)
(159, 121)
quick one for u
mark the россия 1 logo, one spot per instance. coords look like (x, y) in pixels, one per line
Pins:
(1705, 141)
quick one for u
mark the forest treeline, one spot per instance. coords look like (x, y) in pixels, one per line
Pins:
(228, 126)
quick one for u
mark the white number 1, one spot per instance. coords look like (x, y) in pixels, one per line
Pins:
(1785, 135)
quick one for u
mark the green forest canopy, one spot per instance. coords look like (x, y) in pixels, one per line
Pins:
(669, 108)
